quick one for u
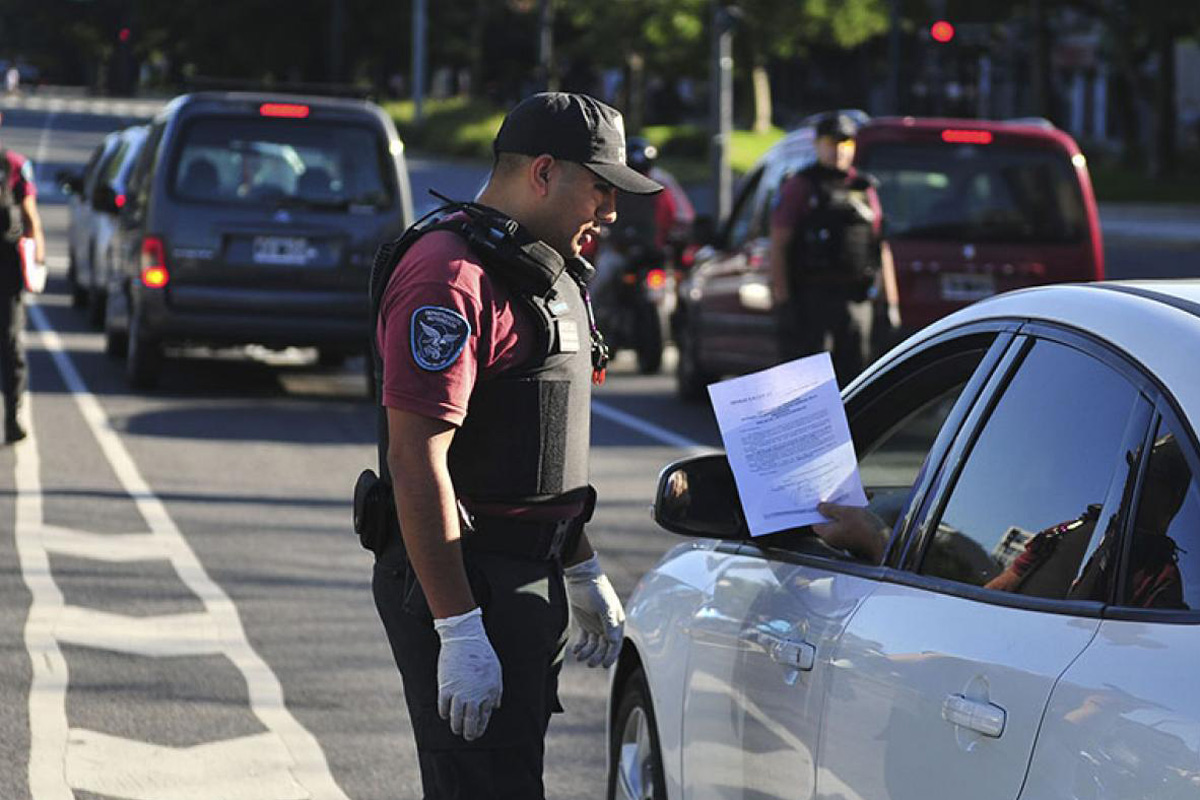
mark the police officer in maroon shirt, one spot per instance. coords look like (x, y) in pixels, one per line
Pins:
(830, 269)
(18, 219)
(487, 366)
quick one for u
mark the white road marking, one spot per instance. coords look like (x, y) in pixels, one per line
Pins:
(648, 429)
(249, 768)
(286, 763)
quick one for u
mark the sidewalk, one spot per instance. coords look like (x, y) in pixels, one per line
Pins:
(1150, 222)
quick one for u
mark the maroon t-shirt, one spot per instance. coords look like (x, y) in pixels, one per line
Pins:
(443, 325)
(20, 176)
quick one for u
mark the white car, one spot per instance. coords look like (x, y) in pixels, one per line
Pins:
(1033, 626)
(95, 199)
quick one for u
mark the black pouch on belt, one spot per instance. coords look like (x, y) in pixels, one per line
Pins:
(374, 511)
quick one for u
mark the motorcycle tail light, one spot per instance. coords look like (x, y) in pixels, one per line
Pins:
(688, 257)
(656, 278)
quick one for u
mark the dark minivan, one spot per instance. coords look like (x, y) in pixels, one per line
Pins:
(252, 219)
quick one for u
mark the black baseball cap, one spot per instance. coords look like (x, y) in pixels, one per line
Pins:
(573, 127)
(838, 126)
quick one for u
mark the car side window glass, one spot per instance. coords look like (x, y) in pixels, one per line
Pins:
(1027, 507)
(743, 214)
(1163, 570)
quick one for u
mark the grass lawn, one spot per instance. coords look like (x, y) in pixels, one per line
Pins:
(1118, 184)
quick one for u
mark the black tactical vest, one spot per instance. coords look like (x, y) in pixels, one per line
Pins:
(526, 434)
(835, 242)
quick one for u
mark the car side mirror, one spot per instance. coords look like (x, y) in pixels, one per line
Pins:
(697, 496)
(69, 182)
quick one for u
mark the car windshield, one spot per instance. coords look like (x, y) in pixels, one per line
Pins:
(268, 162)
(980, 193)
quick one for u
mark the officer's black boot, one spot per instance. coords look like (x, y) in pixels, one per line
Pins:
(13, 432)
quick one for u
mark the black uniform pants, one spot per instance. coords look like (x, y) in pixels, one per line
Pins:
(819, 318)
(525, 614)
(12, 354)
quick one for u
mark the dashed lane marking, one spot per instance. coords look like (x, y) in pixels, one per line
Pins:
(647, 429)
(284, 763)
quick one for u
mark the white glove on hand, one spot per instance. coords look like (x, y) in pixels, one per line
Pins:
(468, 674)
(597, 611)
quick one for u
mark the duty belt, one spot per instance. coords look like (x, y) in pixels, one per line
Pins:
(538, 540)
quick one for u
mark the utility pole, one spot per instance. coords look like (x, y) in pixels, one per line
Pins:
(724, 20)
(420, 20)
(337, 38)
(546, 46)
(893, 78)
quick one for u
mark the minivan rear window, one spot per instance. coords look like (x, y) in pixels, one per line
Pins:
(986, 193)
(272, 162)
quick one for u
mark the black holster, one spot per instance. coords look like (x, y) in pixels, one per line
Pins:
(375, 519)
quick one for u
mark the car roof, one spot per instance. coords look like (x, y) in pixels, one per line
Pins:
(1029, 130)
(249, 102)
(1154, 322)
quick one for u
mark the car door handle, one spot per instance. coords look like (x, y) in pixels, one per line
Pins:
(796, 654)
(979, 716)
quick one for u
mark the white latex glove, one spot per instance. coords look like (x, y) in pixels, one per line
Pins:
(468, 674)
(597, 612)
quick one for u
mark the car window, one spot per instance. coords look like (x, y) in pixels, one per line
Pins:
(270, 162)
(742, 218)
(1164, 552)
(896, 459)
(977, 193)
(139, 180)
(1029, 503)
(89, 169)
(108, 173)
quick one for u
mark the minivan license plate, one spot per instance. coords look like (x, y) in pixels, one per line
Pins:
(291, 250)
(967, 287)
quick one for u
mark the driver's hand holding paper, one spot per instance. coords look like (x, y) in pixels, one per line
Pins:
(788, 442)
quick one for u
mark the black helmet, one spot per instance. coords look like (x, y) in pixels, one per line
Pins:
(640, 154)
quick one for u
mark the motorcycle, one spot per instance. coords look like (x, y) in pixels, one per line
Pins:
(633, 299)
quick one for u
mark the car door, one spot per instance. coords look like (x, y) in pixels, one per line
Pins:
(941, 678)
(1124, 721)
(716, 293)
(79, 206)
(763, 639)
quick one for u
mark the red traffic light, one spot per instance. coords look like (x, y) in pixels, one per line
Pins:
(941, 31)
(123, 34)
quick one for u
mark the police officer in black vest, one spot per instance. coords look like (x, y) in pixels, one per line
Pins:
(829, 265)
(485, 357)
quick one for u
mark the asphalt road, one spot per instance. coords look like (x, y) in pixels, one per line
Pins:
(183, 610)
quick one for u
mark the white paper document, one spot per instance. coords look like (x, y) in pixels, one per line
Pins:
(788, 443)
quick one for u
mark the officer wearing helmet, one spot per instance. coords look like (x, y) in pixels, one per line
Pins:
(829, 264)
(663, 219)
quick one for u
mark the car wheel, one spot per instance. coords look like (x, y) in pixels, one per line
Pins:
(78, 295)
(691, 380)
(116, 340)
(143, 357)
(97, 303)
(649, 339)
(635, 770)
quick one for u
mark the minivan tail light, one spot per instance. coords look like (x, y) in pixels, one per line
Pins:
(154, 266)
(289, 110)
(959, 136)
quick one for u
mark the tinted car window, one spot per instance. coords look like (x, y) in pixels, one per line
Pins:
(1027, 507)
(897, 458)
(1164, 552)
(266, 162)
(977, 193)
(743, 215)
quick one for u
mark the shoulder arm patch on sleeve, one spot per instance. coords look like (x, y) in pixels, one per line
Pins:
(27, 171)
(437, 336)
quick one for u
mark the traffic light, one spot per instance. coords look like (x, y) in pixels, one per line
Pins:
(124, 35)
(942, 31)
